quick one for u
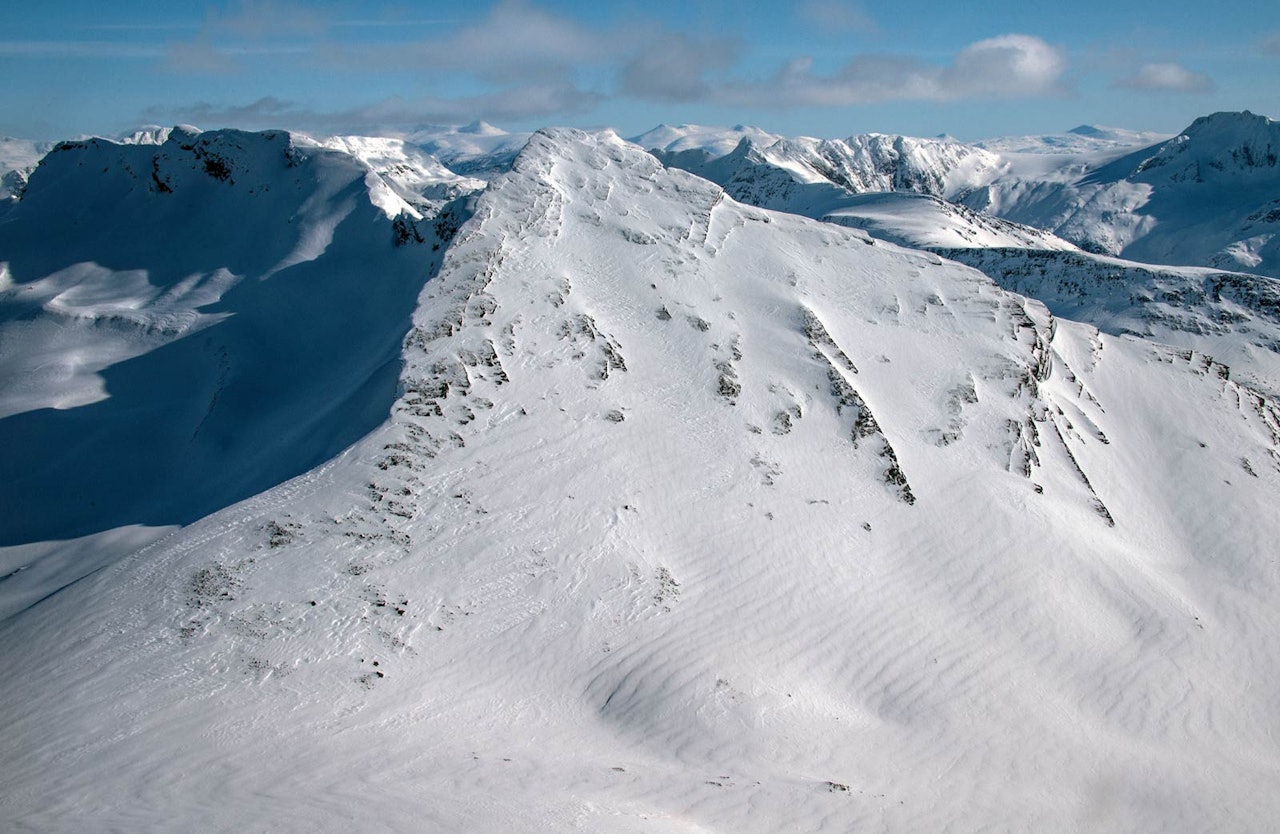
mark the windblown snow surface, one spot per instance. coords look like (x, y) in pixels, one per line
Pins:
(690, 516)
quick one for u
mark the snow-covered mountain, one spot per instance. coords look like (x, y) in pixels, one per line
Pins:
(805, 176)
(416, 177)
(478, 149)
(18, 158)
(713, 142)
(186, 324)
(683, 515)
(1082, 177)
(1205, 197)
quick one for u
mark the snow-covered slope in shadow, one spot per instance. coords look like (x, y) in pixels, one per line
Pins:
(692, 516)
(183, 325)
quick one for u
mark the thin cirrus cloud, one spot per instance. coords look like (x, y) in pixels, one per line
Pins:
(1165, 78)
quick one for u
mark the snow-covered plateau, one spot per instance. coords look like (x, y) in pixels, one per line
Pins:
(343, 489)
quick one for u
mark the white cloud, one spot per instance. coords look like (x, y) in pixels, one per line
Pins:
(675, 68)
(1009, 66)
(1005, 67)
(1165, 78)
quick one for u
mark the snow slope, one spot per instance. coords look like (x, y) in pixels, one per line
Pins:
(923, 221)
(691, 516)
(186, 324)
(1233, 317)
(895, 199)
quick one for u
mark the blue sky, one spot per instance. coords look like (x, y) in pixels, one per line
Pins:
(815, 67)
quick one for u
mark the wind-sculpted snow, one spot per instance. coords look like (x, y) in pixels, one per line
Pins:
(692, 516)
(184, 325)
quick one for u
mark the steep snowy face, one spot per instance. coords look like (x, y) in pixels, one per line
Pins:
(1206, 197)
(185, 324)
(695, 516)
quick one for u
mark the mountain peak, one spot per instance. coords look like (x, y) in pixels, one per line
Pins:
(482, 128)
(1219, 146)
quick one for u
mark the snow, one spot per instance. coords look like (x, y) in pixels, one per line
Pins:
(713, 141)
(684, 515)
(478, 149)
(1203, 198)
(18, 158)
(173, 379)
(1083, 139)
(412, 175)
(923, 221)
